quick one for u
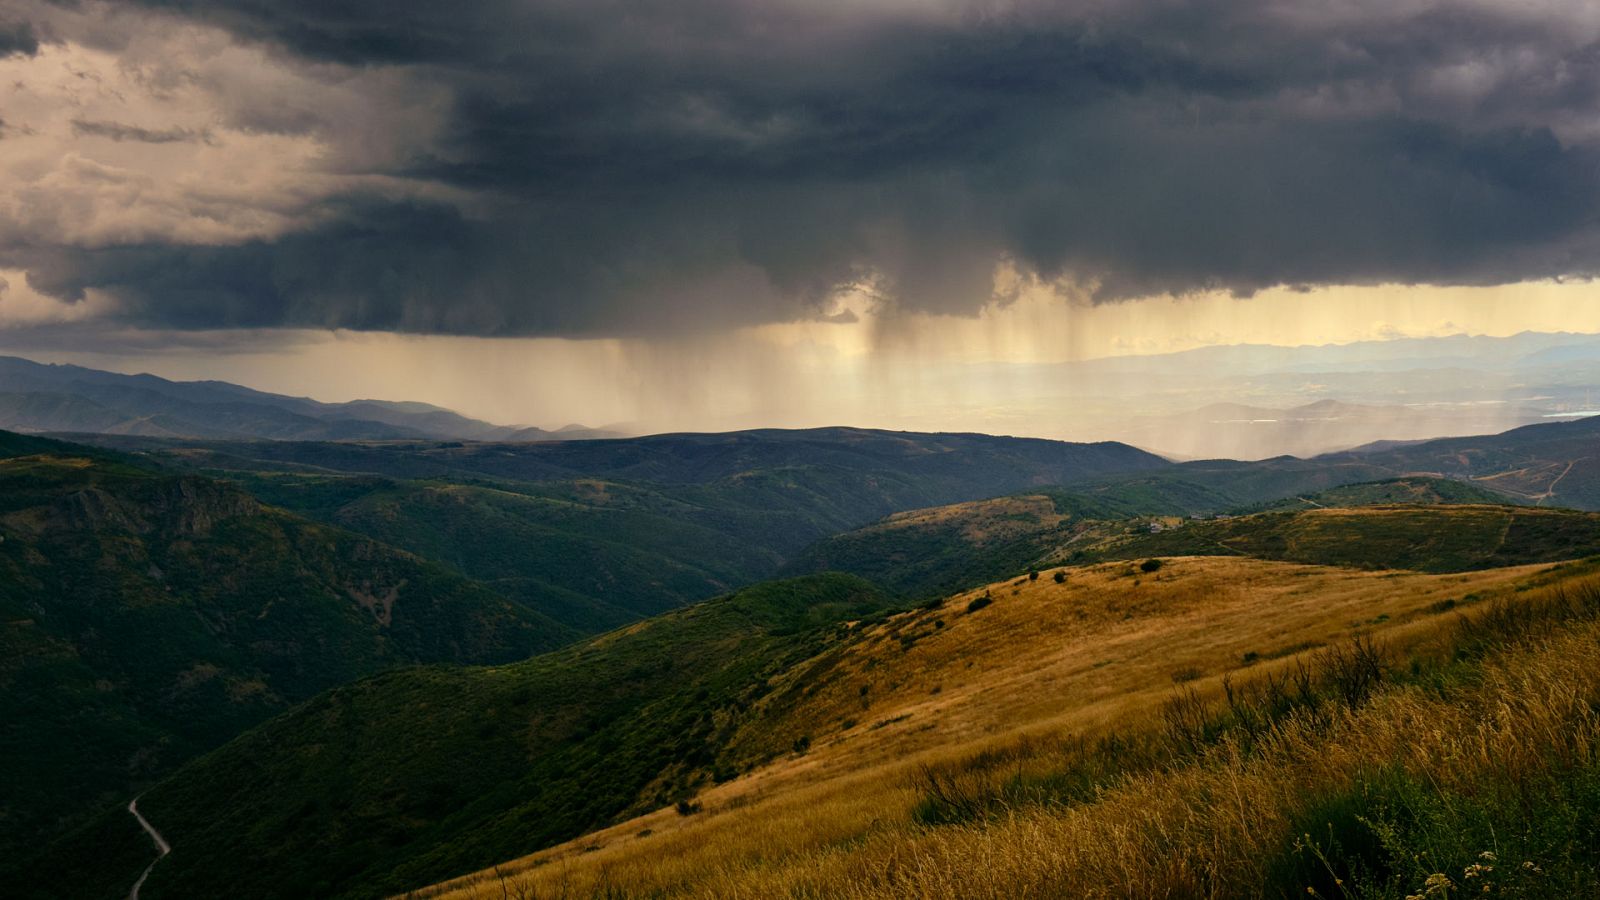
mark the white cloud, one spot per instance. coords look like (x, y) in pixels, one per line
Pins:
(22, 307)
(179, 134)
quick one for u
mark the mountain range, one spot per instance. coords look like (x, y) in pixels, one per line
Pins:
(65, 398)
(358, 668)
(1243, 431)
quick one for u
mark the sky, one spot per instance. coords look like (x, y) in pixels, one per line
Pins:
(708, 212)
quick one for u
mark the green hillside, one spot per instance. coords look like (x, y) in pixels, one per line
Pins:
(1448, 538)
(1415, 490)
(148, 617)
(930, 552)
(1549, 464)
(593, 555)
(403, 778)
(1213, 486)
(417, 775)
(596, 534)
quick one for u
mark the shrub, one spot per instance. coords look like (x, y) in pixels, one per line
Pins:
(687, 807)
(979, 603)
(1033, 575)
(949, 799)
(1150, 565)
(1354, 670)
(1061, 577)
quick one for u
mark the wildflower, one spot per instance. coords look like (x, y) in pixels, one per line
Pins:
(1437, 881)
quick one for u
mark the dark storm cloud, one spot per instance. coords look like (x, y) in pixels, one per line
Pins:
(17, 38)
(654, 165)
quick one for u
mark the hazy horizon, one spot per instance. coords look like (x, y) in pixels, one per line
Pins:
(1245, 401)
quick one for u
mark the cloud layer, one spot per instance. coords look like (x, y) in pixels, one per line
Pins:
(556, 167)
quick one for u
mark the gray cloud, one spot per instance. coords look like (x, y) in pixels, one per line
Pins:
(18, 38)
(703, 163)
(117, 131)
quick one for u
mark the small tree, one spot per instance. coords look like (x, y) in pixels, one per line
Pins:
(1033, 575)
(1061, 577)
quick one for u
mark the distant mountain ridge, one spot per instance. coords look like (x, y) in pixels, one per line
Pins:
(1244, 431)
(1397, 354)
(966, 465)
(64, 398)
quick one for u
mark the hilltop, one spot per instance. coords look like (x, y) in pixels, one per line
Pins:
(1147, 733)
(920, 553)
(1421, 538)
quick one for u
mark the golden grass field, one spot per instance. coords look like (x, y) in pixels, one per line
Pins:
(1017, 687)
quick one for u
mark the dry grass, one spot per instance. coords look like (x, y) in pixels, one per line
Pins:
(1028, 682)
(982, 521)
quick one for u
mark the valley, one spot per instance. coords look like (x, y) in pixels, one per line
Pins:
(151, 616)
(941, 599)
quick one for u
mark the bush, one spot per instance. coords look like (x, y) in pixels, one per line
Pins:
(1061, 577)
(979, 603)
(1150, 565)
(1189, 673)
(1033, 575)
(687, 807)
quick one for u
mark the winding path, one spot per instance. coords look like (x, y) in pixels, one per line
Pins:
(162, 847)
(1551, 490)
